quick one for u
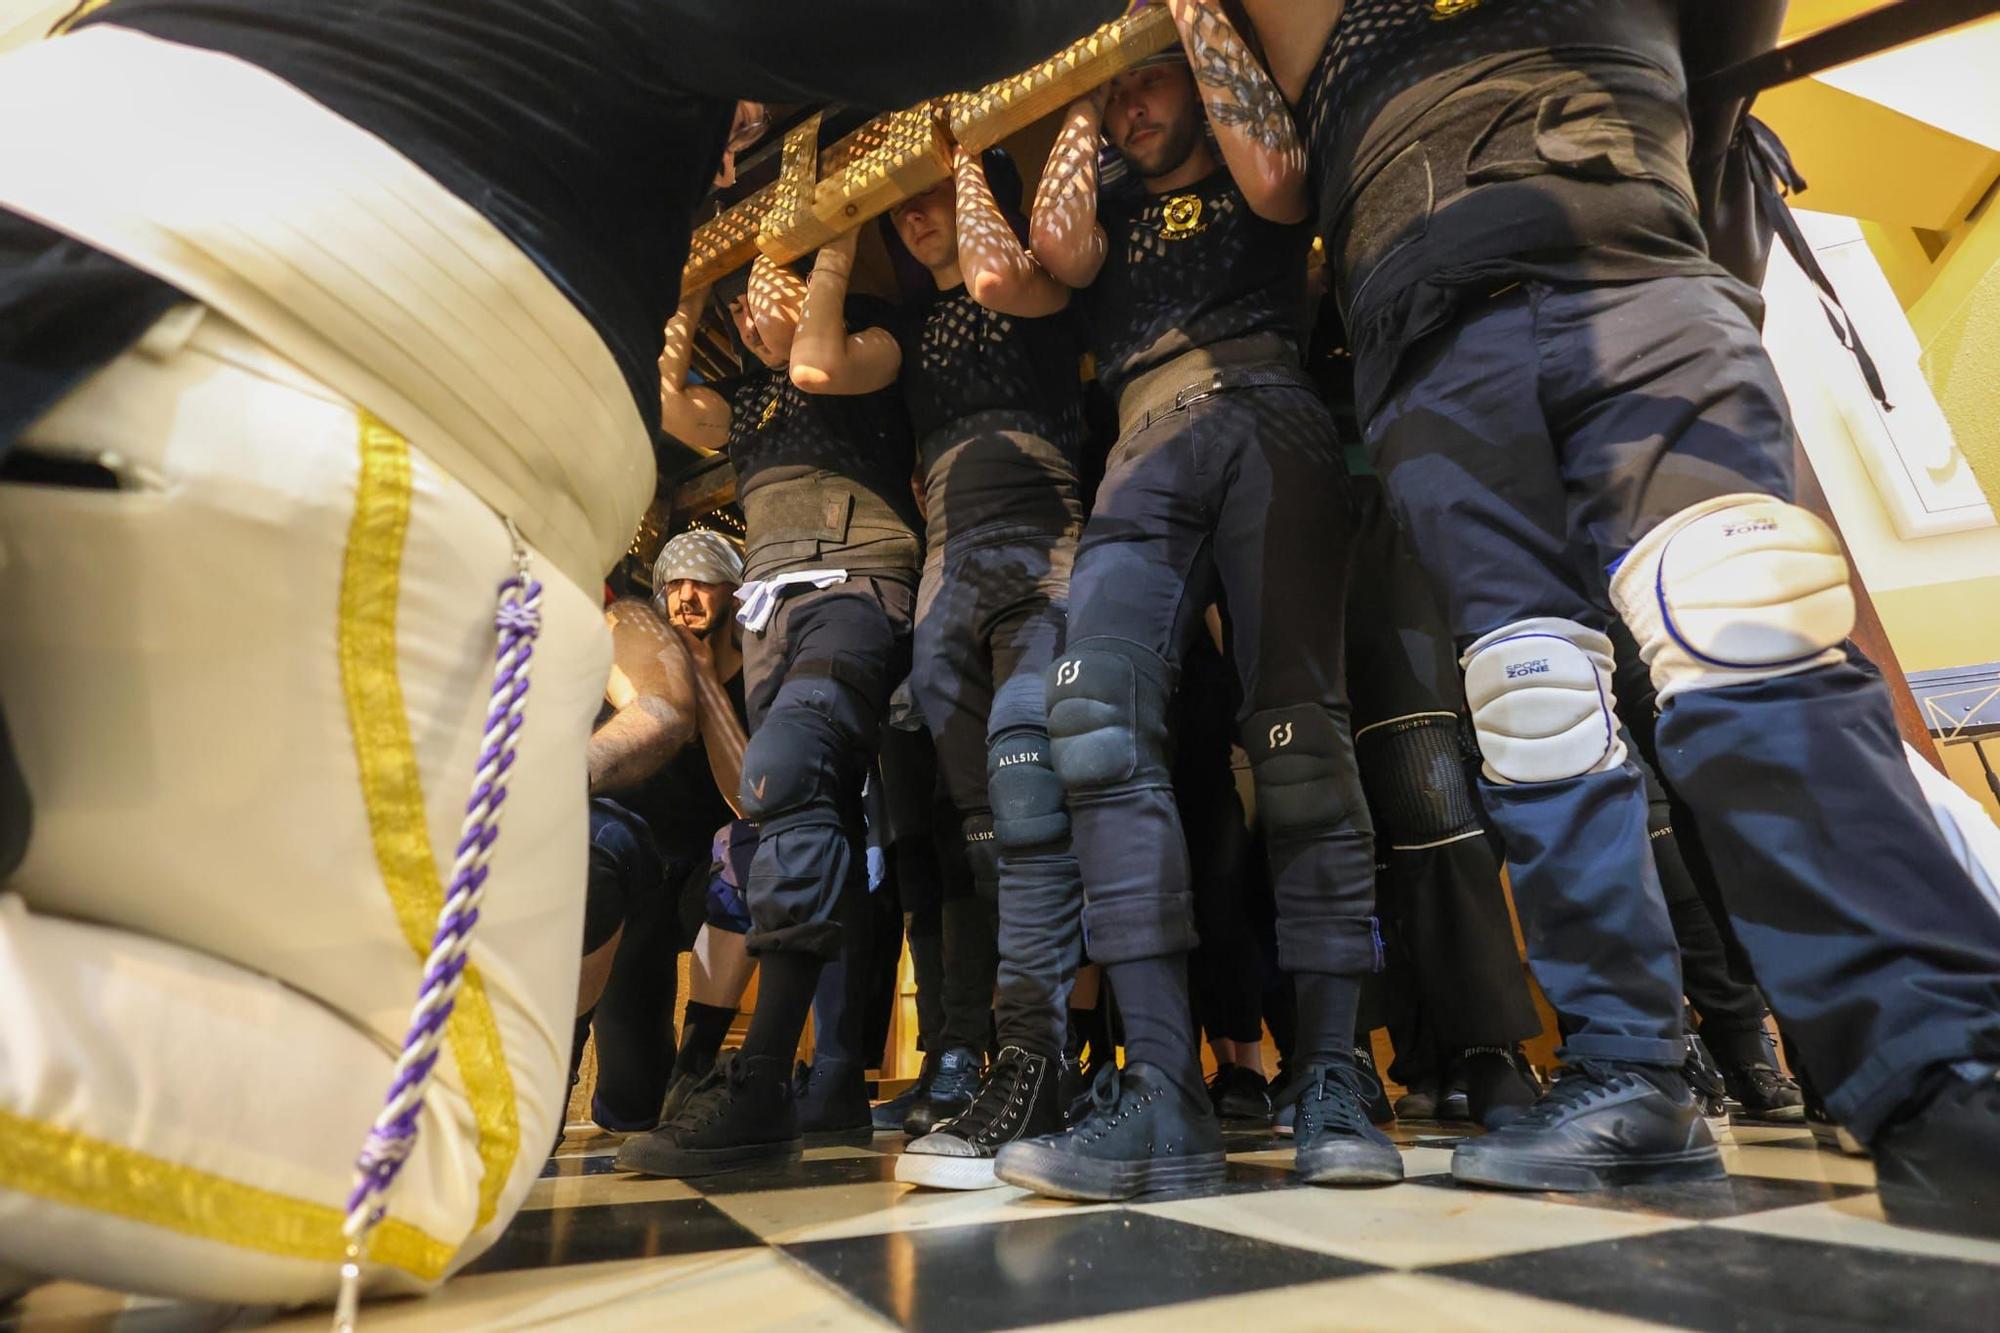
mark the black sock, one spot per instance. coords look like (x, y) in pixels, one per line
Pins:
(702, 1034)
(1091, 1029)
(1327, 1006)
(579, 1034)
(785, 984)
(1159, 1024)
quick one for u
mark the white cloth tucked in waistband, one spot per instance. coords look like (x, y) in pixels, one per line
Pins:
(760, 596)
(340, 253)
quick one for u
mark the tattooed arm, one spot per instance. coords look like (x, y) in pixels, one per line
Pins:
(998, 273)
(1294, 34)
(1252, 122)
(826, 358)
(652, 687)
(1064, 231)
(698, 417)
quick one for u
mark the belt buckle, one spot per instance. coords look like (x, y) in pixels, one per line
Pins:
(1194, 393)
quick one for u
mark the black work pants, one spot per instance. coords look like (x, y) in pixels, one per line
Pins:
(1239, 496)
(990, 619)
(817, 683)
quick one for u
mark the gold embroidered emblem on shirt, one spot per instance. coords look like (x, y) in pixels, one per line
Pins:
(770, 410)
(1451, 9)
(1182, 215)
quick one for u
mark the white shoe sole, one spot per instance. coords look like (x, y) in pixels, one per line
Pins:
(933, 1171)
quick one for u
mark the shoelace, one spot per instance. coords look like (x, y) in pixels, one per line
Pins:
(1336, 1096)
(711, 1095)
(1003, 1083)
(1577, 1085)
(1107, 1091)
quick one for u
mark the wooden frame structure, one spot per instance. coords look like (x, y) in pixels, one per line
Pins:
(822, 192)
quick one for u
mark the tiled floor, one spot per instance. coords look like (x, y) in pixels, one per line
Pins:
(1793, 1240)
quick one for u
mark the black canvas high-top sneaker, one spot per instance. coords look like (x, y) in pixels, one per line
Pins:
(1018, 1099)
(1140, 1134)
(742, 1114)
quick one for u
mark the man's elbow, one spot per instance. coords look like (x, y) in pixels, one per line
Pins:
(812, 378)
(1279, 197)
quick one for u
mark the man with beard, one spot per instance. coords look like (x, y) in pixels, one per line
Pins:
(1576, 420)
(655, 810)
(1226, 484)
(317, 322)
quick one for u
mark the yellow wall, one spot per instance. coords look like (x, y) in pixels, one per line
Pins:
(1940, 597)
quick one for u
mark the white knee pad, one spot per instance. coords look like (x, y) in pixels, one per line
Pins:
(1738, 588)
(1540, 693)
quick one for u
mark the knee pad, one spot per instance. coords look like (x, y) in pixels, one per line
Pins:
(1027, 796)
(1413, 769)
(1108, 716)
(1739, 588)
(792, 763)
(1302, 759)
(1540, 694)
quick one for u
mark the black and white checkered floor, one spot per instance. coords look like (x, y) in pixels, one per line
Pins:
(1793, 1240)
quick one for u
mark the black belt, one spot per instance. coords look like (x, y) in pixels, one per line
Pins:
(1163, 392)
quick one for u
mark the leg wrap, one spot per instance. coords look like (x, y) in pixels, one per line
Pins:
(1321, 842)
(982, 853)
(1028, 810)
(1739, 588)
(1540, 693)
(1413, 769)
(1108, 717)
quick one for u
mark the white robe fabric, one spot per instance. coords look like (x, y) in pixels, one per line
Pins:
(248, 690)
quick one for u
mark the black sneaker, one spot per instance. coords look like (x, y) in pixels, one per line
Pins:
(1236, 1093)
(1073, 1087)
(833, 1099)
(740, 1115)
(1765, 1095)
(1603, 1124)
(1016, 1100)
(1142, 1133)
(952, 1086)
(687, 1077)
(891, 1114)
(1455, 1103)
(1418, 1102)
(1704, 1076)
(1939, 1168)
(1338, 1143)
(1380, 1112)
(1499, 1085)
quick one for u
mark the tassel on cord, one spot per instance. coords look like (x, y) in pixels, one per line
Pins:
(517, 622)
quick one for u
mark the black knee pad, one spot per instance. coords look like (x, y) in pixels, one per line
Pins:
(1027, 796)
(792, 763)
(1414, 770)
(1108, 717)
(1303, 761)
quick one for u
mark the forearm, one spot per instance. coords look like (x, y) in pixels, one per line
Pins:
(1064, 229)
(635, 744)
(699, 420)
(998, 272)
(819, 351)
(1253, 125)
(723, 738)
(777, 303)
